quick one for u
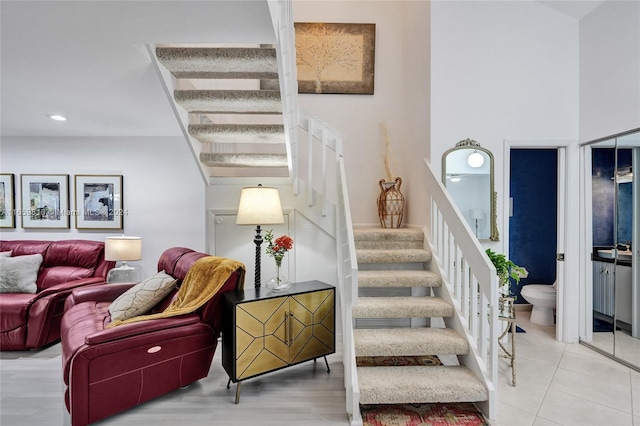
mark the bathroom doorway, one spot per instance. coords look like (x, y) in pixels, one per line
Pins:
(566, 254)
(533, 227)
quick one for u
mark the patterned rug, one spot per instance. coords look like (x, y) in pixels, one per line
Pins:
(381, 361)
(461, 414)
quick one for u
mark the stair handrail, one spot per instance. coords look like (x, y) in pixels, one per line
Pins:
(470, 283)
(282, 18)
(348, 284)
(322, 182)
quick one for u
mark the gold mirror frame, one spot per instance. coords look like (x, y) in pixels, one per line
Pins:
(470, 144)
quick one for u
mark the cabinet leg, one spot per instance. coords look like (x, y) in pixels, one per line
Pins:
(228, 383)
(238, 392)
(327, 364)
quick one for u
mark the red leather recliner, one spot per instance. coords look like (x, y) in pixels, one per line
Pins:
(31, 321)
(108, 370)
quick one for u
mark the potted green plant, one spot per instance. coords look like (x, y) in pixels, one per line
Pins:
(506, 269)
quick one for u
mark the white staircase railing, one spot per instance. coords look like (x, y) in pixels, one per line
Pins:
(316, 166)
(282, 18)
(470, 283)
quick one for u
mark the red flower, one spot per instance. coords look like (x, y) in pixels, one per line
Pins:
(278, 247)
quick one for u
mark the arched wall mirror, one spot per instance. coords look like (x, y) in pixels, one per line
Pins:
(467, 173)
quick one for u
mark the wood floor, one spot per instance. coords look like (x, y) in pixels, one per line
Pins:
(32, 394)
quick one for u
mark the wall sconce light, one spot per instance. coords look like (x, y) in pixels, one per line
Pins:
(123, 249)
(259, 205)
(475, 159)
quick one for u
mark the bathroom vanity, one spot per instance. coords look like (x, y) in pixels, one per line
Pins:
(612, 285)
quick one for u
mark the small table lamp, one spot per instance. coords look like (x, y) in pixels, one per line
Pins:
(259, 205)
(123, 249)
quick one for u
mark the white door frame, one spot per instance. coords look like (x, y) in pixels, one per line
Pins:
(567, 312)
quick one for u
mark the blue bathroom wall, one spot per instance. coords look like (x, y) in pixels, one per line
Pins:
(603, 197)
(532, 226)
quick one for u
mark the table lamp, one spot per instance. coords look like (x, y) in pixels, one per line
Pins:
(476, 214)
(123, 249)
(259, 205)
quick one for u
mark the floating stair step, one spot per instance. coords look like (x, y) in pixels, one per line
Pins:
(219, 62)
(418, 384)
(409, 342)
(388, 238)
(238, 133)
(393, 256)
(398, 278)
(244, 160)
(401, 307)
(230, 101)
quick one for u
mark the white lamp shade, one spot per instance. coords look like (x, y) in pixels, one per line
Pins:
(259, 205)
(475, 159)
(122, 248)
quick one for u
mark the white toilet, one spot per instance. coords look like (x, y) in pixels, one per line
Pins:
(543, 299)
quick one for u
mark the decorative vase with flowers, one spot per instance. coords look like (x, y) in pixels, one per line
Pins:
(277, 249)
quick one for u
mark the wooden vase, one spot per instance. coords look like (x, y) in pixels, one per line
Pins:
(390, 203)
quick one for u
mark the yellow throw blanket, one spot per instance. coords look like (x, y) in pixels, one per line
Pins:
(204, 279)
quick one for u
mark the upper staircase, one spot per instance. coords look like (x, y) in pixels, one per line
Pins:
(232, 97)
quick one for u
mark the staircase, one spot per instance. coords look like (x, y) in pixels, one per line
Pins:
(232, 96)
(391, 262)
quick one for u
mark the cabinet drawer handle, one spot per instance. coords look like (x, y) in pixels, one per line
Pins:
(290, 328)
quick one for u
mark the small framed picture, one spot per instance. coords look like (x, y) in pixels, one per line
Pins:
(99, 203)
(7, 203)
(45, 201)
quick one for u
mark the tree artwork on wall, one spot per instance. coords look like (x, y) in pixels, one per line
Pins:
(335, 58)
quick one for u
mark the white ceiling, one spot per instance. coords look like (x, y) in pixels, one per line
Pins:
(87, 60)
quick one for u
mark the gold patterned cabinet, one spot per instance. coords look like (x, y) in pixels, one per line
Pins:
(266, 330)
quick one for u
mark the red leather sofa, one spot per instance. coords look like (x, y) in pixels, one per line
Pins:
(108, 370)
(31, 321)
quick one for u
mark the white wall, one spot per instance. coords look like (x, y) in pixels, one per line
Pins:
(163, 191)
(501, 70)
(610, 70)
(400, 99)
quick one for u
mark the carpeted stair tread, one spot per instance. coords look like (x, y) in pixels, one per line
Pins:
(386, 234)
(244, 160)
(399, 278)
(219, 62)
(393, 256)
(401, 307)
(238, 133)
(416, 384)
(409, 342)
(230, 101)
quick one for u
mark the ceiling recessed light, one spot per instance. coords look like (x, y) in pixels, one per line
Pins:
(57, 117)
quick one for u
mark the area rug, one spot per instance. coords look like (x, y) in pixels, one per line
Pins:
(461, 414)
(384, 361)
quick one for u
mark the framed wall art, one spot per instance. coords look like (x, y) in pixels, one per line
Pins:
(99, 202)
(335, 58)
(45, 201)
(7, 201)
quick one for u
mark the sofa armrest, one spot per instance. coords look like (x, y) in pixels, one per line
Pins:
(96, 293)
(137, 328)
(70, 285)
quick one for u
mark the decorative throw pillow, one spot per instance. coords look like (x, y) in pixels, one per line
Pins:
(5, 254)
(19, 274)
(143, 296)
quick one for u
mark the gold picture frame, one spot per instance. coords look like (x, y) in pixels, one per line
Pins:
(333, 58)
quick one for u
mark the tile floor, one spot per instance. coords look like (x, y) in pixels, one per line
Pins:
(557, 384)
